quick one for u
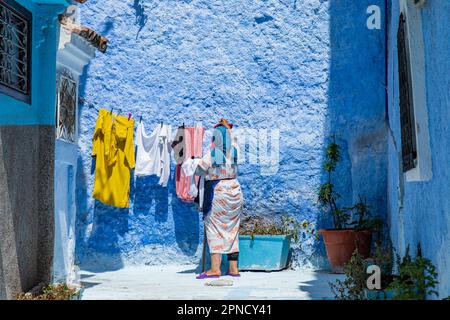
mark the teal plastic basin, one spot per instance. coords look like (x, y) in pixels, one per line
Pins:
(263, 253)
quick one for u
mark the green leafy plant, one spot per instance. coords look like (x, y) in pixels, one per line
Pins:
(327, 196)
(364, 220)
(383, 257)
(417, 277)
(286, 225)
(292, 227)
(354, 285)
(58, 291)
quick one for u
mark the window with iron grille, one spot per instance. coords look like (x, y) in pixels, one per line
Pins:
(67, 107)
(15, 50)
(409, 146)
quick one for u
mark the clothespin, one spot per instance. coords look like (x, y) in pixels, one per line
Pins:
(162, 124)
(129, 116)
(140, 119)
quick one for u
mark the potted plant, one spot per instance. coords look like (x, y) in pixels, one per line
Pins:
(384, 259)
(264, 243)
(354, 285)
(416, 278)
(347, 235)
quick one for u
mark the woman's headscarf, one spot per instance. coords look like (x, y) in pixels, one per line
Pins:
(222, 144)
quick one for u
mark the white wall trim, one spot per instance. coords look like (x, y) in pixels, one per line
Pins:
(74, 53)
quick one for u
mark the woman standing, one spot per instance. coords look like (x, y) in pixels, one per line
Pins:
(223, 201)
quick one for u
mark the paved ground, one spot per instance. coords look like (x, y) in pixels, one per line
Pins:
(178, 282)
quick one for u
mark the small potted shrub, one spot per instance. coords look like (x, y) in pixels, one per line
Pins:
(384, 259)
(415, 280)
(264, 244)
(354, 285)
(347, 235)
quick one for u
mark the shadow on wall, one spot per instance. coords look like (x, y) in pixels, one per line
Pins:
(99, 232)
(356, 103)
(110, 233)
(82, 211)
(187, 225)
(141, 16)
(148, 194)
(356, 109)
(151, 198)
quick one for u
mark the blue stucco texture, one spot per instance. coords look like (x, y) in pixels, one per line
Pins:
(421, 213)
(308, 68)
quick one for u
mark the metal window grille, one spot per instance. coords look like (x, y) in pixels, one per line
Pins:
(67, 107)
(409, 147)
(15, 50)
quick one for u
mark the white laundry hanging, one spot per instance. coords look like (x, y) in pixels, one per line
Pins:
(153, 152)
(190, 167)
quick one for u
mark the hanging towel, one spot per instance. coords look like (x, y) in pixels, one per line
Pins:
(190, 146)
(189, 167)
(153, 152)
(113, 148)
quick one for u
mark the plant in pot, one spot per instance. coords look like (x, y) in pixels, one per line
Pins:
(365, 225)
(354, 285)
(265, 242)
(347, 235)
(384, 259)
(416, 277)
(415, 280)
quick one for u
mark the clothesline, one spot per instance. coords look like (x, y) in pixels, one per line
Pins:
(91, 105)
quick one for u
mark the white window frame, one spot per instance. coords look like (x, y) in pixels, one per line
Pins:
(74, 79)
(416, 49)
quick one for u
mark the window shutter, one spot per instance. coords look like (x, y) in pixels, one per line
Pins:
(409, 148)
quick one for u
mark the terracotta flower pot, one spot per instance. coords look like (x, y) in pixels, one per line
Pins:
(340, 245)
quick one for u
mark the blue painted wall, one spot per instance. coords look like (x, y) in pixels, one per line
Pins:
(44, 33)
(307, 68)
(421, 213)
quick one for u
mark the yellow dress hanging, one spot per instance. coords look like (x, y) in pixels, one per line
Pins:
(113, 147)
